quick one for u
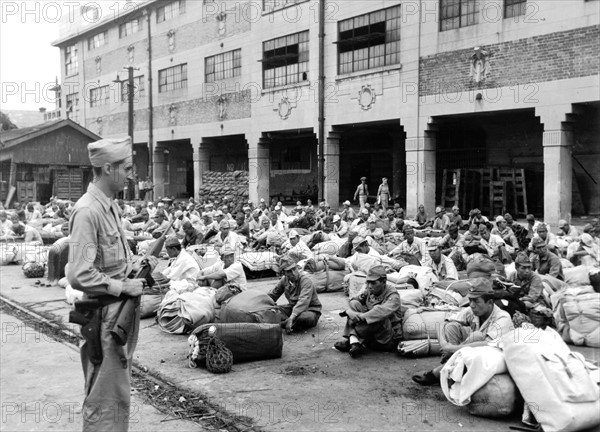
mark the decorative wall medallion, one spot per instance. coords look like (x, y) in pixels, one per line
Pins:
(98, 60)
(131, 54)
(480, 65)
(221, 18)
(284, 108)
(222, 107)
(172, 115)
(366, 97)
(99, 125)
(171, 36)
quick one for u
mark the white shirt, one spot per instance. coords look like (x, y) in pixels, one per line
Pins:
(183, 267)
(444, 270)
(301, 249)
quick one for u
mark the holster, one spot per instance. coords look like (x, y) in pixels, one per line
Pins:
(88, 314)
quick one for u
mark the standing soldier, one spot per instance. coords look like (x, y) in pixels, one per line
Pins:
(100, 263)
(362, 191)
(383, 194)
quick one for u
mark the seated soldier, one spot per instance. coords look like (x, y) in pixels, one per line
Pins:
(388, 224)
(227, 270)
(192, 236)
(241, 226)
(364, 256)
(528, 287)
(374, 318)
(550, 239)
(225, 237)
(411, 245)
(506, 234)
(584, 252)
(160, 224)
(182, 266)
(422, 219)
(371, 230)
(456, 218)
(442, 266)
(348, 214)
(475, 217)
(340, 227)
(567, 231)
(474, 326)
(452, 246)
(495, 246)
(361, 220)
(545, 262)
(296, 247)
(304, 308)
(441, 221)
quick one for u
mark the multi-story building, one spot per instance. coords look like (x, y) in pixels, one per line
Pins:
(409, 89)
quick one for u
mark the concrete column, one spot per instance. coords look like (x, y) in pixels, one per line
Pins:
(159, 173)
(398, 180)
(332, 170)
(420, 173)
(201, 165)
(259, 170)
(558, 174)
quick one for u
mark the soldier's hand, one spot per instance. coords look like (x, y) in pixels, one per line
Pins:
(133, 287)
(152, 261)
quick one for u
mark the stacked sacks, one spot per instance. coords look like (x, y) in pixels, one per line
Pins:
(180, 313)
(327, 274)
(216, 185)
(577, 314)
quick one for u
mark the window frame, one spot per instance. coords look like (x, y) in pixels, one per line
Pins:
(123, 32)
(514, 4)
(294, 72)
(166, 12)
(460, 16)
(384, 53)
(217, 60)
(74, 108)
(71, 61)
(103, 40)
(139, 89)
(99, 96)
(168, 86)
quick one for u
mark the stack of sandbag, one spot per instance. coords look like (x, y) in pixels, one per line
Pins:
(250, 307)
(259, 261)
(246, 341)
(153, 296)
(216, 184)
(559, 386)
(330, 247)
(577, 276)
(425, 323)
(179, 313)
(327, 274)
(577, 315)
(478, 378)
(354, 283)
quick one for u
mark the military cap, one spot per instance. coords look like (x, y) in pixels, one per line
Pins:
(109, 151)
(224, 224)
(358, 240)
(293, 233)
(172, 241)
(363, 179)
(522, 260)
(376, 272)
(336, 218)
(287, 264)
(480, 287)
(537, 241)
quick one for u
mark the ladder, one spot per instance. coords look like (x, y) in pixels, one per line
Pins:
(484, 188)
(520, 192)
(497, 198)
(451, 180)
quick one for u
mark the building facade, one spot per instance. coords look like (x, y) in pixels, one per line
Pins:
(316, 94)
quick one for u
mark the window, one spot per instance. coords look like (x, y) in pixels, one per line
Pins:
(98, 40)
(172, 78)
(99, 96)
(369, 41)
(285, 60)
(73, 107)
(458, 13)
(138, 89)
(272, 5)
(170, 10)
(223, 66)
(71, 60)
(130, 27)
(290, 156)
(514, 8)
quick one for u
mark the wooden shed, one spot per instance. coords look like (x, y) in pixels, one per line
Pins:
(50, 159)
